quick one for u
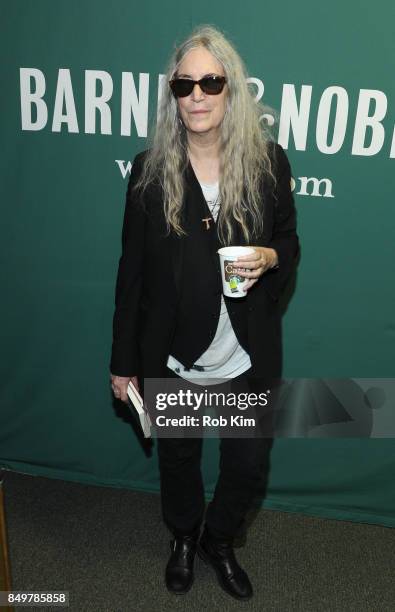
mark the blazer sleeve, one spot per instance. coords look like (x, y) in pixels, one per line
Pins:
(124, 355)
(284, 238)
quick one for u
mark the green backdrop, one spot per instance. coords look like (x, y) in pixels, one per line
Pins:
(327, 70)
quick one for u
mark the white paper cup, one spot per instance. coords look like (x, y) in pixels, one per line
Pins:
(232, 283)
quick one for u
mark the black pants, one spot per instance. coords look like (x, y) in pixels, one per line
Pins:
(243, 472)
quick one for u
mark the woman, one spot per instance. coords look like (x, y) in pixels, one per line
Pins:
(212, 178)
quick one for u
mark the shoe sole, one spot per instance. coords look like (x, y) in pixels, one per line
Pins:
(207, 562)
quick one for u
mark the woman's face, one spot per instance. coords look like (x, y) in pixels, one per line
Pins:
(200, 112)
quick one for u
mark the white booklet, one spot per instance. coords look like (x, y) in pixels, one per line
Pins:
(138, 404)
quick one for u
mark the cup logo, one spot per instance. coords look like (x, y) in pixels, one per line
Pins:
(231, 276)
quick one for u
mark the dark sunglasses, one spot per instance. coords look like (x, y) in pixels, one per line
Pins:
(212, 85)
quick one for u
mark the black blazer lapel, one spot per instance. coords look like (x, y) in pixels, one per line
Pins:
(178, 242)
(177, 252)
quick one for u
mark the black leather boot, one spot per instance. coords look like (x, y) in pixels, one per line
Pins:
(219, 554)
(179, 570)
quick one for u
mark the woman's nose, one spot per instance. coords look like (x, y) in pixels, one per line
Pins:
(197, 92)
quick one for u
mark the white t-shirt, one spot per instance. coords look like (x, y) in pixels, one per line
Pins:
(225, 357)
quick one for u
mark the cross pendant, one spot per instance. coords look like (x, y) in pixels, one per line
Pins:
(207, 221)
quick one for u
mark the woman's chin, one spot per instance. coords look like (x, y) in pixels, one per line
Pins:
(201, 128)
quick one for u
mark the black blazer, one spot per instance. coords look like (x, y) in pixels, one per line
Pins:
(150, 271)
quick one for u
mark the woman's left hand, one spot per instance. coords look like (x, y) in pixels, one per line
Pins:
(258, 263)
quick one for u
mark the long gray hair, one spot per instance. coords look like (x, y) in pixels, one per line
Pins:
(244, 158)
